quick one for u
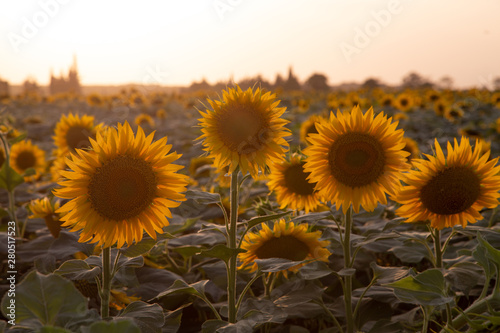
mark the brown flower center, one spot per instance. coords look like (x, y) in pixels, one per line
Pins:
(296, 180)
(25, 160)
(122, 188)
(242, 128)
(78, 137)
(356, 159)
(451, 191)
(286, 247)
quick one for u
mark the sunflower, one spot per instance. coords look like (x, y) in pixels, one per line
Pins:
(286, 240)
(46, 209)
(309, 126)
(495, 99)
(411, 147)
(387, 100)
(244, 129)
(453, 113)
(2, 156)
(58, 165)
(356, 159)
(289, 180)
(404, 102)
(73, 132)
(452, 190)
(25, 155)
(144, 120)
(441, 107)
(161, 114)
(123, 186)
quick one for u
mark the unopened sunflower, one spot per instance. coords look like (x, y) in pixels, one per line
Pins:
(356, 159)
(25, 155)
(289, 181)
(286, 240)
(244, 129)
(46, 209)
(450, 190)
(144, 119)
(125, 185)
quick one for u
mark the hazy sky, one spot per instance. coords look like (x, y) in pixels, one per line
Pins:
(176, 42)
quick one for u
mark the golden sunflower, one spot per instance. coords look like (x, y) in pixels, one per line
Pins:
(244, 129)
(411, 146)
(287, 241)
(453, 113)
(73, 132)
(309, 126)
(46, 209)
(452, 190)
(404, 102)
(289, 180)
(144, 119)
(356, 159)
(123, 186)
(25, 155)
(2, 156)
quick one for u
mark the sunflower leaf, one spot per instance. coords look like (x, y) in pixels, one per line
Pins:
(148, 317)
(259, 219)
(203, 198)
(276, 264)
(117, 325)
(46, 300)
(9, 178)
(179, 286)
(17, 139)
(140, 248)
(491, 254)
(222, 252)
(78, 270)
(29, 172)
(426, 288)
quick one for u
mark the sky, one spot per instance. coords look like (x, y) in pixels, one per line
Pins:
(177, 42)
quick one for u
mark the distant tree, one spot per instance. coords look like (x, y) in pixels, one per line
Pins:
(203, 85)
(257, 82)
(317, 82)
(445, 82)
(496, 83)
(414, 81)
(30, 86)
(371, 83)
(291, 83)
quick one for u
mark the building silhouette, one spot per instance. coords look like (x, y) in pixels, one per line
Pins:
(69, 84)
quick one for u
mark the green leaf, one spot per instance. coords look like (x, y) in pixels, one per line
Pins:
(46, 300)
(211, 325)
(180, 286)
(3, 213)
(9, 178)
(17, 139)
(259, 219)
(427, 288)
(464, 276)
(311, 218)
(276, 264)
(314, 270)
(410, 252)
(52, 329)
(187, 250)
(78, 270)
(203, 198)
(29, 172)
(491, 253)
(140, 248)
(347, 272)
(114, 326)
(174, 229)
(148, 317)
(388, 274)
(222, 252)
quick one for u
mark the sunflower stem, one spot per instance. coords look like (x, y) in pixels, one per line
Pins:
(247, 287)
(436, 235)
(12, 201)
(348, 278)
(231, 271)
(106, 281)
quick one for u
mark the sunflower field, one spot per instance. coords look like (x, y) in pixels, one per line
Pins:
(373, 210)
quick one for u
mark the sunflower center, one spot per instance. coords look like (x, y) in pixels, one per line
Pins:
(122, 188)
(451, 191)
(296, 180)
(77, 137)
(242, 129)
(286, 247)
(25, 160)
(356, 159)
(404, 102)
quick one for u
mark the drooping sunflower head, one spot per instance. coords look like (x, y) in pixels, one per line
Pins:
(450, 190)
(244, 129)
(309, 126)
(286, 240)
(356, 159)
(25, 155)
(46, 209)
(289, 181)
(125, 185)
(74, 132)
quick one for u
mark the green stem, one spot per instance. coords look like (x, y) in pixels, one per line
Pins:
(372, 282)
(247, 287)
(231, 269)
(477, 307)
(11, 198)
(426, 320)
(106, 281)
(348, 264)
(493, 213)
(327, 310)
(436, 235)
